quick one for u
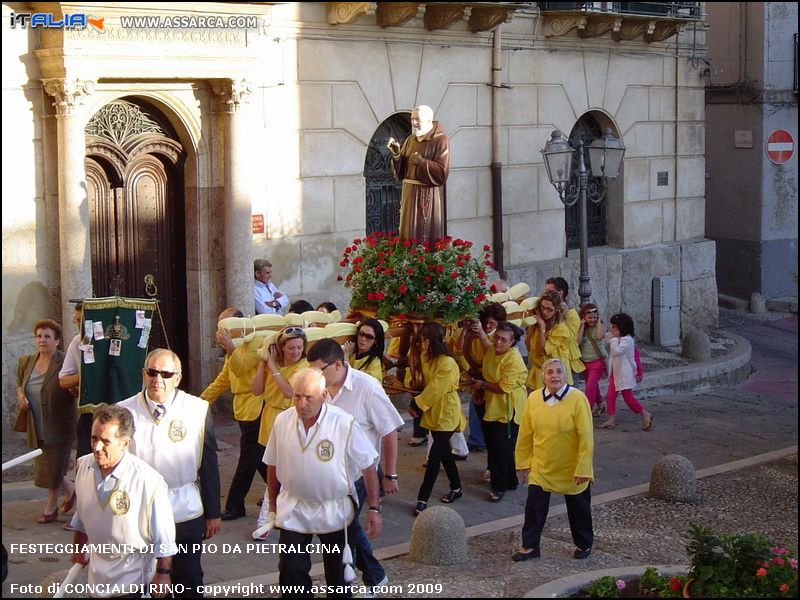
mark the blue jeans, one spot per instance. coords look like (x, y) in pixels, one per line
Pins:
(371, 570)
(476, 439)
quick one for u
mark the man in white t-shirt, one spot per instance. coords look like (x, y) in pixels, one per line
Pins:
(314, 455)
(363, 397)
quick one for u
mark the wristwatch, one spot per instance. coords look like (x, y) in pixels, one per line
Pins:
(161, 571)
(391, 477)
(375, 509)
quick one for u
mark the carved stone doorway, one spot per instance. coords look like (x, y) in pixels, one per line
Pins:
(382, 189)
(134, 177)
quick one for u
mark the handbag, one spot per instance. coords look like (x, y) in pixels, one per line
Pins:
(21, 424)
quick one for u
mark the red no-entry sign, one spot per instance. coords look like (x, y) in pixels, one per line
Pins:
(780, 146)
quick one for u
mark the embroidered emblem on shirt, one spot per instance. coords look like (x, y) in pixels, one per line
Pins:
(325, 450)
(177, 430)
(119, 502)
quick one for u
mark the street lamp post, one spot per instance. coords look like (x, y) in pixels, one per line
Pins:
(605, 158)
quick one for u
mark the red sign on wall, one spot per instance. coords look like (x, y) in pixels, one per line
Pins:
(258, 223)
(780, 146)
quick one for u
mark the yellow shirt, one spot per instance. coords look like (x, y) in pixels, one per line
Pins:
(477, 352)
(559, 343)
(563, 439)
(509, 372)
(439, 400)
(573, 320)
(373, 369)
(237, 376)
(274, 400)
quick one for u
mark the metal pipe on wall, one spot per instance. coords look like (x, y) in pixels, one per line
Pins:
(497, 167)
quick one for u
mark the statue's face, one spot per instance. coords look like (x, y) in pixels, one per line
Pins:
(420, 125)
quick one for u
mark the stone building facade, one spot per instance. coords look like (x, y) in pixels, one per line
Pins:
(274, 119)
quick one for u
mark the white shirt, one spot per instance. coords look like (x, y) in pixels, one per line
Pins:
(363, 397)
(317, 469)
(72, 358)
(138, 528)
(622, 363)
(554, 398)
(173, 446)
(264, 293)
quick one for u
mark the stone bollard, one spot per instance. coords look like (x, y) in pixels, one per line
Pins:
(673, 479)
(695, 345)
(758, 306)
(57, 577)
(438, 537)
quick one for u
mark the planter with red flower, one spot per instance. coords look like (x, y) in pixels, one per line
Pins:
(408, 283)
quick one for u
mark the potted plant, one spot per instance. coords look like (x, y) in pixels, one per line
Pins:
(738, 566)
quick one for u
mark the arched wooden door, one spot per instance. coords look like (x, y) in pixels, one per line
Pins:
(589, 129)
(134, 176)
(382, 189)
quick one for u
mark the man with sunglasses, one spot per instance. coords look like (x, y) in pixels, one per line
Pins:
(175, 435)
(363, 397)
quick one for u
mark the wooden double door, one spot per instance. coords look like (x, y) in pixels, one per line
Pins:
(134, 176)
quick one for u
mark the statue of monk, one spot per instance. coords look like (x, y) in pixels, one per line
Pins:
(422, 163)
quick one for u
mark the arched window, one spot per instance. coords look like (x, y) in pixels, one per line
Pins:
(382, 189)
(589, 129)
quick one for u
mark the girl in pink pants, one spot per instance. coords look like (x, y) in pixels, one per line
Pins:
(593, 354)
(623, 371)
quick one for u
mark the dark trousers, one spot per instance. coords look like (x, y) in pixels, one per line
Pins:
(476, 438)
(419, 430)
(250, 455)
(84, 434)
(439, 455)
(579, 513)
(500, 453)
(294, 567)
(371, 570)
(186, 567)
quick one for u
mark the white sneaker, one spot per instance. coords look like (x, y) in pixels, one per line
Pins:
(371, 592)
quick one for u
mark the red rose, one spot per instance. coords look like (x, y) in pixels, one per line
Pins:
(402, 288)
(348, 278)
(342, 263)
(388, 271)
(371, 296)
(358, 269)
(410, 271)
(380, 295)
(339, 278)
(402, 316)
(459, 263)
(420, 298)
(450, 297)
(468, 288)
(406, 243)
(439, 268)
(428, 278)
(357, 260)
(357, 241)
(482, 274)
(454, 275)
(675, 584)
(486, 247)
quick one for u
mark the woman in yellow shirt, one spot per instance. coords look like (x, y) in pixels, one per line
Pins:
(503, 388)
(554, 454)
(440, 408)
(285, 357)
(369, 347)
(550, 337)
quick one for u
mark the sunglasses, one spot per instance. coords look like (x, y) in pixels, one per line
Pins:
(293, 331)
(366, 336)
(164, 374)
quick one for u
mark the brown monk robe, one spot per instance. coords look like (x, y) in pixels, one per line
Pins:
(423, 164)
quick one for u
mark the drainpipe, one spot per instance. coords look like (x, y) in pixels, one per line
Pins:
(497, 167)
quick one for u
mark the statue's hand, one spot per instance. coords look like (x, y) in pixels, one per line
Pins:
(394, 147)
(415, 158)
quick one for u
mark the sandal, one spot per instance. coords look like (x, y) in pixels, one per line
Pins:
(67, 505)
(45, 518)
(606, 425)
(496, 496)
(453, 495)
(599, 409)
(648, 423)
(420, 507)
